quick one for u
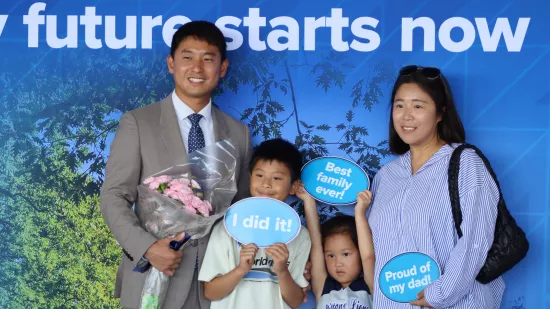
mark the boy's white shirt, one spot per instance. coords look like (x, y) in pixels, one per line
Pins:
(260, 287)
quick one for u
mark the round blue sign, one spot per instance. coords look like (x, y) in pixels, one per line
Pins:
(262, 221)
(334, 181)
(406, 275)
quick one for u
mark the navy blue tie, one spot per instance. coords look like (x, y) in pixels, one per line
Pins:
(196, 137)
(195, 141)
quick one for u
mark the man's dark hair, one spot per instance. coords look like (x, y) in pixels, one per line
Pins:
(279, 150)
(202, 31)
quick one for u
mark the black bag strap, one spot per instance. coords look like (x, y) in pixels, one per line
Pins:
(454, 169)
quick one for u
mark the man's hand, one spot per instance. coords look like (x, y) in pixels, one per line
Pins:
(247, 256)
(421, 301)
(162, 257)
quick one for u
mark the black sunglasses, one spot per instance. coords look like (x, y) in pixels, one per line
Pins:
(427, 72)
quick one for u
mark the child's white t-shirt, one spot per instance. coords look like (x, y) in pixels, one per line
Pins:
(260, 287)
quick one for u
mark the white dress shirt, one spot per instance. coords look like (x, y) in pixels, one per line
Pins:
(206, 123)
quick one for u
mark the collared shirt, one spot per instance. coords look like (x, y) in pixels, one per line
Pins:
(412, 213)
(206, 123)
(355, 296)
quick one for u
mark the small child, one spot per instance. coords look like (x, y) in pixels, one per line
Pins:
(344, 247)
(243, 276)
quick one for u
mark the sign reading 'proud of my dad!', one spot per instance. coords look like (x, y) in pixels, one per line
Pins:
(406, 275)
(334, 180)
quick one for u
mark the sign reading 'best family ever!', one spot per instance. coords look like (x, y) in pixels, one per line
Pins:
(334, 180)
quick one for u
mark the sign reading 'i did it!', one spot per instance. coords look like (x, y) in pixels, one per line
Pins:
(262, 221)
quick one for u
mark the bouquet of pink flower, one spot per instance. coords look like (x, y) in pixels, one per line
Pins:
(189, 198)
(187, 192)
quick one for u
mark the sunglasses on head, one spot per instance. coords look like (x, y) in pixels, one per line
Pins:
(427, 72)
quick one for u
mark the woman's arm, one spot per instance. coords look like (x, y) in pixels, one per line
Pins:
(479, 210)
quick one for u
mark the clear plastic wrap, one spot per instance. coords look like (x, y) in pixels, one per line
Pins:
(213, 169)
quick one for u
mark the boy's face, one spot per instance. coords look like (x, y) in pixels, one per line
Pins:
(271, 179)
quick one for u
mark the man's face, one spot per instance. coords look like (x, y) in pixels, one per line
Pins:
(197, 68)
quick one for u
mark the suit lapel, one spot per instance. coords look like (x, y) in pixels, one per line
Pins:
(170, 132)
(221, 130)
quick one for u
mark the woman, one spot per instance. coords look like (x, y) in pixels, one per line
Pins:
(411, 209)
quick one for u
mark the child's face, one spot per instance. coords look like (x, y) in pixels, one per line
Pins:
(342, 258)
(271, 179)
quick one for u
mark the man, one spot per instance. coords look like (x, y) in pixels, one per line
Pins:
(155, 137)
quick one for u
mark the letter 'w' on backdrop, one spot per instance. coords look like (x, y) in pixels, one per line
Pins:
(262, 221)
(406, 275)
(334, 180)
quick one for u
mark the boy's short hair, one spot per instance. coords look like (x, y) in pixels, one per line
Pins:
(340, 224)
(282, 151)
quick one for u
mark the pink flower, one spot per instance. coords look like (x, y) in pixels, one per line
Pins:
(187, 199)
(164, 178)
(177, 196)
(203, 209)
(182, 190)
(154, 185)
(183, 181)
(196, 202)
(179, 187)
(171, 193)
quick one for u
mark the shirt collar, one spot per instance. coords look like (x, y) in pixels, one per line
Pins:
(183, 110)
(445, 151)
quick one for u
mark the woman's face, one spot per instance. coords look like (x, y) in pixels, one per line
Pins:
(414, 115)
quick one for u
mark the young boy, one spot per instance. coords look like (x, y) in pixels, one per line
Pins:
(230, 269)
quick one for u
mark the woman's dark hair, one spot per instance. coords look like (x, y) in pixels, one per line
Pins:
(432, 81)
(340, 225)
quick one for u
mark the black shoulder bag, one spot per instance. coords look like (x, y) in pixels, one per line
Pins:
(510, 244)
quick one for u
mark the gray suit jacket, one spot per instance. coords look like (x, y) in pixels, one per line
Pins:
(148, 141)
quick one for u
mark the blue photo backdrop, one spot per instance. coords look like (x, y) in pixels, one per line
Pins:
(316, 72)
